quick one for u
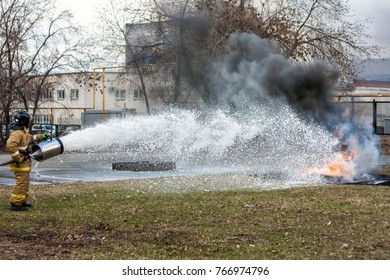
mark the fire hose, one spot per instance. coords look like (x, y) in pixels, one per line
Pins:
(42, 151)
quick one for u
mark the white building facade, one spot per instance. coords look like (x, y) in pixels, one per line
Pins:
(72, 96)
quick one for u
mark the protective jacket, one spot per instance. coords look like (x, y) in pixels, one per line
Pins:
(17, 144)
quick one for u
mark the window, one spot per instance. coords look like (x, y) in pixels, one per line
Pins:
(46, 94)
(120, 94)
(60, 94)
(74, 94)
(42, 119)
(138, 94)
(16, 96)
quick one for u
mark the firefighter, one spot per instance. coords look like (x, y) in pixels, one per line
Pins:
(17, 145)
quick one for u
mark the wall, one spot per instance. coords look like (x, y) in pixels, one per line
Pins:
(118, 95)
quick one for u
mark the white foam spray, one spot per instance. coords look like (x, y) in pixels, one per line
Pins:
(262, 139)
(280, 117)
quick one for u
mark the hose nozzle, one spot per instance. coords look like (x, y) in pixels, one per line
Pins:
(47, 149)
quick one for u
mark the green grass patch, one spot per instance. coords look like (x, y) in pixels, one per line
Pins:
(145, 219)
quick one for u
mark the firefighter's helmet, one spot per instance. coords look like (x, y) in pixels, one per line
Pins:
(23, 118)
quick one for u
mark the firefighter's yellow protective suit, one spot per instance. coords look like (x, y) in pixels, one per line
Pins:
(17, 144)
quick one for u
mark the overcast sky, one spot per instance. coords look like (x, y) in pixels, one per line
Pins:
(377, 11)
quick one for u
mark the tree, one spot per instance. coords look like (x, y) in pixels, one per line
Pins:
(127, 36)
(304, 30)
(191, 33)
(301, 31)
(150, 47)
(185, 32)
(35, 41)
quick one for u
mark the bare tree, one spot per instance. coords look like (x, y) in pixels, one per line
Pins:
(35, 41)
(126, 36)
(184, 32)
(191, 32)
(304, 30)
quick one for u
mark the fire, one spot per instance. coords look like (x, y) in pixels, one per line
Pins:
(337, 167)
(341, 165)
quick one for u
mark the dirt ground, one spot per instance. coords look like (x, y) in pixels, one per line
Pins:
(39, 246)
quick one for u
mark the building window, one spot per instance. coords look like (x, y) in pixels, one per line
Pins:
(74, 94)
(16, 96)
(138, 94)
(46, 94)
(60, 94)
(42, 119)
(120, 94)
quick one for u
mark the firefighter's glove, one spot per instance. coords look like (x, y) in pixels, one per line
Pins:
(45, 136)
(20, 158)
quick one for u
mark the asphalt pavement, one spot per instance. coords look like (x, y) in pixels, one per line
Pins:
(77, 167)
(98, 167)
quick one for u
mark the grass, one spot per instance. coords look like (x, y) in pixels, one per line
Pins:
(144, 219)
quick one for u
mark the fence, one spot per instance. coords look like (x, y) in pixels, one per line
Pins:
(375, 114)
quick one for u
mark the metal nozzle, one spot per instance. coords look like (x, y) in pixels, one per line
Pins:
(46, 150)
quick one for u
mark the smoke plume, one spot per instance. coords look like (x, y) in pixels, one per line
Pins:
(253, 72)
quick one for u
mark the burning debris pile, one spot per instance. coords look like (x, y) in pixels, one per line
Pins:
(341, 165)
(356, 154)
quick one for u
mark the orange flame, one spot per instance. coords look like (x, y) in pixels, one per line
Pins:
(341, 166)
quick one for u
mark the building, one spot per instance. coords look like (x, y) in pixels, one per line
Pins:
(83, 99)
(73, 95)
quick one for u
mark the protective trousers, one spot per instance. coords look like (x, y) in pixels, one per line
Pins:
(19, 193)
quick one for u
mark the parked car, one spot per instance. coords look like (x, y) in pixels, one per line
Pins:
(43, 128)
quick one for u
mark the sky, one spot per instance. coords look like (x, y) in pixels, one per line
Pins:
(83, 10)
(377, 12)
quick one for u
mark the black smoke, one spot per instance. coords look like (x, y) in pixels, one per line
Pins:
(252, 71)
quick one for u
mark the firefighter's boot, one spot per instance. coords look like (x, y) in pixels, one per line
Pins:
(18, 207)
